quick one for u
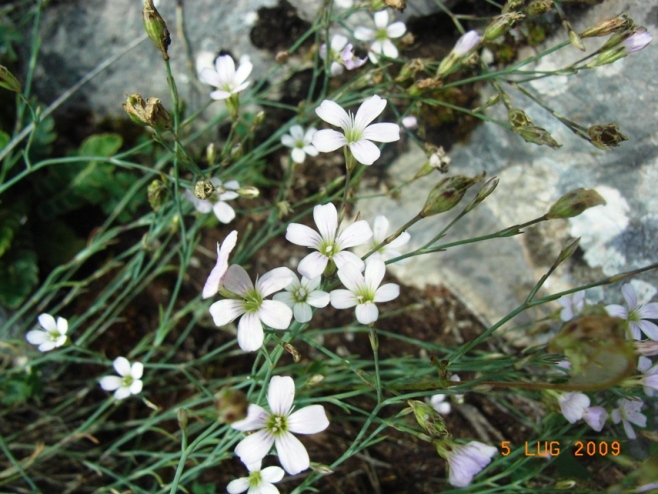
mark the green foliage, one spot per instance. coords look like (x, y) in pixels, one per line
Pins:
(18, 388)
(203, 488)
(10, 222)
(19, 274)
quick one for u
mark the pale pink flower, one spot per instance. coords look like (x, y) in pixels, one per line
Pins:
(217, 202)
(381, 36)
(649, 378)
(466, 43)
(214, 281)
(595, 417)
(276, 428)
(573, 405)
(129, 380)
(252, 306)
(636, 314)
(358, 132)
(466, 460)
(330, 243)
(51, 335)
(258, 482)
(572, 305)
(349, 59)
(302, 296)
(637, 41)
(225, 78)
(629, 413)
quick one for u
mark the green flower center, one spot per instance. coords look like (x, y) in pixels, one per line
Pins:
(329, 248)
(252, 301)
(352, 134)
(364, 295)
(300, 294)
(53, 335)
(381, 35)
(127, 381)
(277, 424)
(255, 479)
(633, 316)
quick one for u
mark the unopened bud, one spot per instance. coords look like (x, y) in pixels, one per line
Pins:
(296, 356)
(574, 39)
(437, 160)
(396, 4)
(259, 118)
(203, 189)
(419, 87)
(464, 46)
(157, 192)
(567, 251)
(248, 192)
(282, 57)
(647, 348)
(410, 69)
(315, 379)
(574, 203)
(156, 28)
(620, 45)
(321, 469)
(484, 192)
(608, 26)
(150, 113)
(523, 126)
(429, 419)
(8, 81)
(606, 136)
(231, 405)
(182, 418)
(538, 7)
(284, 209)
(512, 5)
(237, 151)
(447, 193)
(211, 154)
(501, 24)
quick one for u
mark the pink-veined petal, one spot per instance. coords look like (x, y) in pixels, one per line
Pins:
(256, 419)
(634, 330)
(326, 219)
(369, 110)
(276, 315)
(313, 265)
(237, 280)
(630, 433)
(292, 454)
(302, 312)
(396, 30)
(226, 311)
(342, 299)
(274, 280)
(318, 299)
(254, 447)
(364, 33)
(365, 152)
(387, 292)
(374, 274)
(649, 329)
(47, 322)
(331, 112)
(110, 383)
(328, 140)
(122, 366)
(308, 420)
(250, 333)
(281, 394)
(223, 212)
(367, 313)
(382, 132)
(615, 310)
(629, 295)
(358, 233)
(649, 311)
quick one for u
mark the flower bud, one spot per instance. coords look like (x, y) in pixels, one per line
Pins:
(248, 192)
(620, 45)
(512, 5)
(647, 348)
(606, 136)
(259, 118)
(8, 81)
(501, 24)
(539, 7)
(211, 154)
(203, 189)
(429, 419)
(231, 405)
(447, 193)
(157, 192)
(237, 151)
(567, 251)
(182, 418)
(574, 39)
(523, 126)
(484, 192)
(464, 46)
(151, 113)
(410, 69)
(156, 28)
(419, 87)
(573, 203)
(282, 57)
(608, 26)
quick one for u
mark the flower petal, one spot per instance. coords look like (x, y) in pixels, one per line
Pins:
(364, 33)
(122, 393)
(313, 265)
(342, 299)
(369, 110)
(214, 281)
(244, 70)
(237, 280)
(346, 257)
(226, 311)
(238, 485)
(122, 366)
(396, 29)
(374, 274)
(649, 329)
(256, 419)
(331, 112)
(380, 228)
(285, 297)
(224, 213)
(281, 394)
(47, 322)
(308, 420)
(298, 155)
(37, 336)
(326, 219)
(250, 333)
(365, 152)
(318, 299)
(367, 313)
(209, 76)
(629, 295)
(381, 19)
(63, 325)
(225, 67)
(388, 49)
(274, 280)
(386, 293)
(137, 370)
(302, 312)
(136, 387)
(649, 311)
(219, 95)
(303, 235)
(292, 454)
(358, 233)
(382, 132)
(276, 315)
(615, 310)
(110, 383)
(272, 474)
(254, 447)
(351, 276)
(328, 140)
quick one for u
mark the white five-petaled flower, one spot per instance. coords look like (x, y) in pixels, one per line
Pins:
(379, 234)
(465, 460)
(358, 132)
(571, 305)
(364, 291)
(300, 142)
(225, 78)
(52, 334)
(649, 378)
(300, 296)
(330, 243)
(258, 482)
(129, 380)
(381, 36)
(277, 427)
(595, 417)
(636, 314)
(573, 405)
(217, 202)
(214, 281)
(336, 45)
(252, 306)
(627, 413)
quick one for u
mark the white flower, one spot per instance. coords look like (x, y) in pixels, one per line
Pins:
(214, 281)
(627, 413)
(300, 143)
(330, 242)
(636, 314)
(52, 335)
(381, 36)
(595, 417)
(129, 380)
(466, 43)
(300, 296)
(650, 378)
(217, 202)
(364, 291)
(465, 461)
(225, 78)
(276, 428)
(258, 482)
(440, 404)
(338, 42)
(252, 306)
(571, 305)
(380, 232)
(573, 405)
(357, 131)
(410, 122)
(344, 4)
